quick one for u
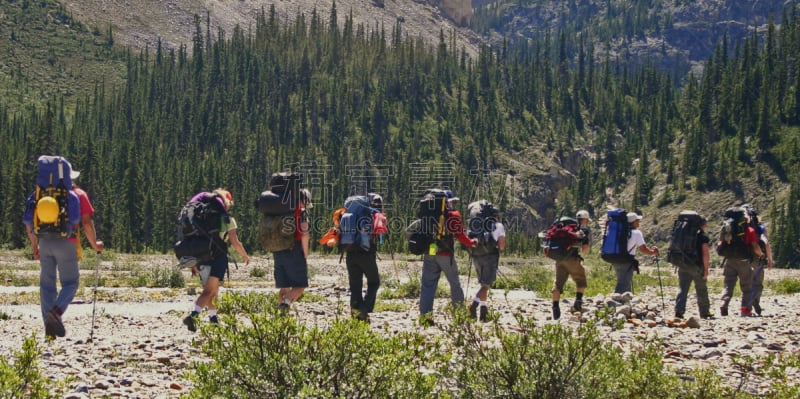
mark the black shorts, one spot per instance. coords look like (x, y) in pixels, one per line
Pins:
(219, 266)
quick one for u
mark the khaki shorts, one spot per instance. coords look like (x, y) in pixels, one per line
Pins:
(569, 267)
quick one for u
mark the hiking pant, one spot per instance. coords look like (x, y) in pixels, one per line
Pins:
(359, 265)
(624, 272)
(432, 268)
(758, 285)
(687, 275)
(569, 266)
(738, 269)
(486, 268)
(58, 257)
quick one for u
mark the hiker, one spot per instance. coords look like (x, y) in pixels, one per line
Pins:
(485, 222)
(291, 267)
(440, 259)
(624, 271)
(758, 273)
(738, 264)
(58, 254)
(361, 264)
(570, 266)
(688, 273)
(212, 273)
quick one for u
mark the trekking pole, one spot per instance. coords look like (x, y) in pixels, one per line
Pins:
(660, 286)
(94, 297)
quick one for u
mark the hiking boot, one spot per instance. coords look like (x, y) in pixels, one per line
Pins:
(757, 308)
(723, 311)
(556, 311)
(187, 262)
(213, 319)
(746, 312)
(577, 306)
(473, 310)
(484, 312)
(362, 316)
(707, 316)
(53, 325)
(678, 315)
(283, 308)
(191, 321)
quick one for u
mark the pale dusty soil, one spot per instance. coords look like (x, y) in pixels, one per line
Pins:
(140, 349)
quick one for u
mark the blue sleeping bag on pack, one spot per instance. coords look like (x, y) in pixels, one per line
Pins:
(615, 237)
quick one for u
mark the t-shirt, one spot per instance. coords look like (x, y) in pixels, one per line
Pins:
(499, 231)
(86, 208)
(636, 240)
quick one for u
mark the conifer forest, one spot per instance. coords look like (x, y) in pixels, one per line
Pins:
(357, 108)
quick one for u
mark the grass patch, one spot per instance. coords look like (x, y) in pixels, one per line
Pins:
(786, 286)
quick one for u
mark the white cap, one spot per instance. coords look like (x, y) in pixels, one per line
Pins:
(632, 217)
(582, 214)
(305, 195)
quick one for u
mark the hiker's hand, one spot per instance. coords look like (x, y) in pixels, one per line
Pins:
(195, 270)
(99, 246)
(474, 242)
(246, 259)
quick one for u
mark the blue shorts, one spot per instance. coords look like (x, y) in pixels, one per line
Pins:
(291, 269)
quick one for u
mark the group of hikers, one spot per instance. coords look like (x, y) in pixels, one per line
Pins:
(57, 208)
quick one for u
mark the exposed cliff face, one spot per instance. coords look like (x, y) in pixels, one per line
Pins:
(460, 11)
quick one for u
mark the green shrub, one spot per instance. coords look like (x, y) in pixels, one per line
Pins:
(270, 356)
(786, 286)
(167, 277)
(22, 377)
(258, 272)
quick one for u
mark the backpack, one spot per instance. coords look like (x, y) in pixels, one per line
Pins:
(683, 249)
(356, 224)
(280, 210)
(429, 226)
(561, 237)
(755, 223)
(731, 234)
(53, 209)
(199, 226)
(481, 221)
(615, 237)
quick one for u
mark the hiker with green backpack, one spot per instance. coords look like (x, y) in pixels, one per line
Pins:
(441, 222)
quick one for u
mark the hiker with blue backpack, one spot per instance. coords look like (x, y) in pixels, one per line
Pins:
(361, 225)
(217, 225)
(620, 242)
(53, 213)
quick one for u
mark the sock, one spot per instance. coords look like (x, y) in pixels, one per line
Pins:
(197, 309)
(477, 299)
(287, 301)
(579, 296)
(212, 313)
(556, 310)
(482, 303)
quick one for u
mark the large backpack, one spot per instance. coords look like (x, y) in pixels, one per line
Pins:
(615, 237)
(731, 234)
(53, 209)
(355, 224)
(199, 227)
(280, 210)
(429, 226)
(561, 238)
(481, 221)
(684, 251)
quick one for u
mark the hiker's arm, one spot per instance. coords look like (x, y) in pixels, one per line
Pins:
(305, 239)
(237, 245)
(456, 227)
(706, 258)
(769, 256)
(501, 243)
(34, 241)
(648, 251)
(91, 235)
(756, 249)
